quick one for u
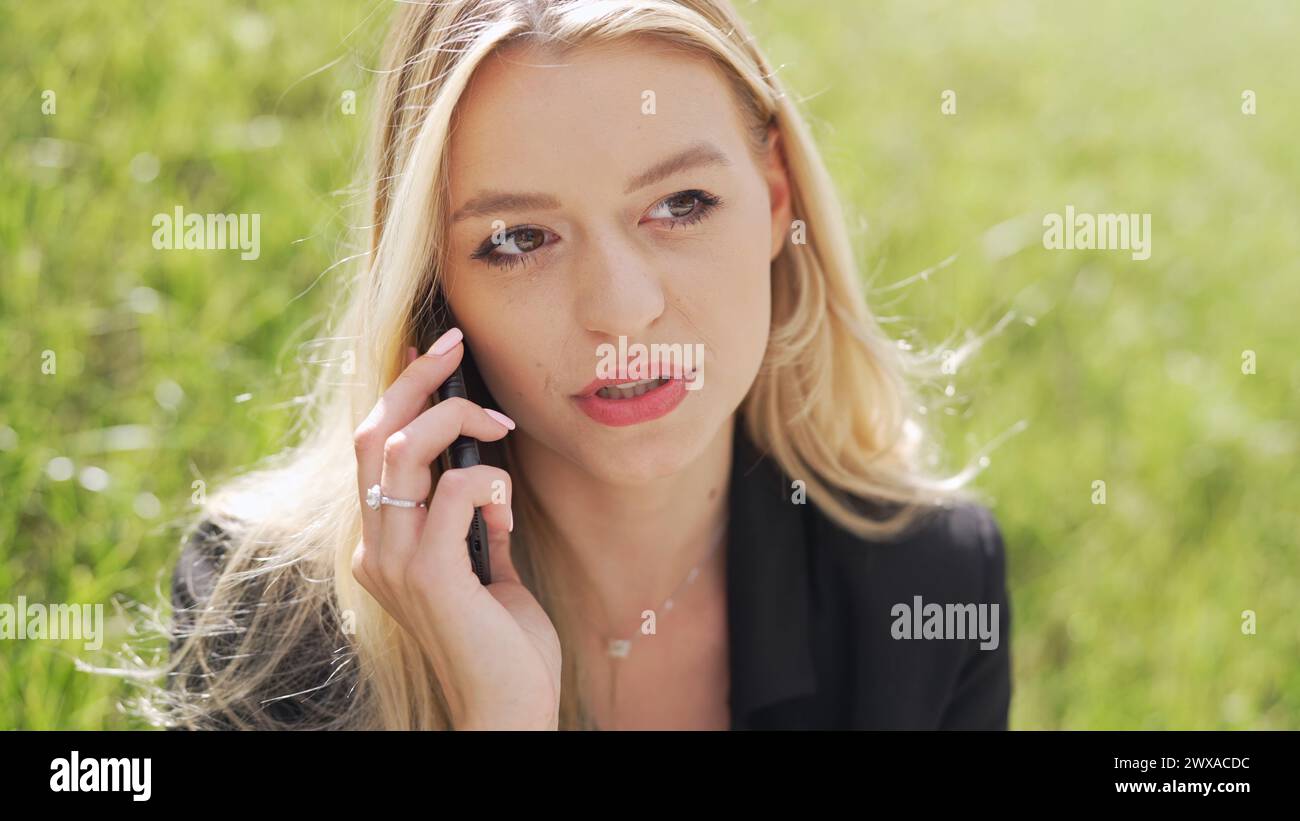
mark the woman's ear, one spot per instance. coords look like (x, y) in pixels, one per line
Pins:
(777, 175)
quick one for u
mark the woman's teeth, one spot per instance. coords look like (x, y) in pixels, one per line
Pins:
(629, 389)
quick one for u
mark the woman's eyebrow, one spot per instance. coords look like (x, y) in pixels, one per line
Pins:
(698, 154)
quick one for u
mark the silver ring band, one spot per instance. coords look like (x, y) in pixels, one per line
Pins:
(375, 497)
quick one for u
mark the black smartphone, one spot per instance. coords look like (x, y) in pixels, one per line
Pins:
(464, 453)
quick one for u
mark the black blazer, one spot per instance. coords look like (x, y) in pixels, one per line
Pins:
(813, 621)
(812, 615)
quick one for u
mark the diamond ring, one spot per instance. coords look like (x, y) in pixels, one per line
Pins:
(375, 497)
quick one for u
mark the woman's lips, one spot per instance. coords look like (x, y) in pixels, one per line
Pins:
(654, 403)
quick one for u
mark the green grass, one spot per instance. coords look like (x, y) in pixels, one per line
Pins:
(1126, 615)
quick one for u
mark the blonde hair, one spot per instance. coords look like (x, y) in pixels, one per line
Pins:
(287, 634)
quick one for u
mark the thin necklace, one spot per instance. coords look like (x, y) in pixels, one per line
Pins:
(619, 648)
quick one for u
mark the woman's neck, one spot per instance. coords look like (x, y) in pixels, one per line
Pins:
(633, 545)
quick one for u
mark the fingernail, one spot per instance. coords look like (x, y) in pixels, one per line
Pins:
(511, 527)
(446, 342)
(500, 417)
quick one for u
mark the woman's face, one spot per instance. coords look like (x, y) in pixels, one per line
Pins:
(599, 239)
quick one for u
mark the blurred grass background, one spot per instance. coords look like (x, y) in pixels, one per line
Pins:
(176, 368)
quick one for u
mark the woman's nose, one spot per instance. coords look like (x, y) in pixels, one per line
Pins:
(620, 290)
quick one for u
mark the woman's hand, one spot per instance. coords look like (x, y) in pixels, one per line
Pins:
(493, 649)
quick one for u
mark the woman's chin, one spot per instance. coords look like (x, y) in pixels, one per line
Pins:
(629, 457)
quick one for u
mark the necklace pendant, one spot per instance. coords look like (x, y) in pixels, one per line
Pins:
(619, 648)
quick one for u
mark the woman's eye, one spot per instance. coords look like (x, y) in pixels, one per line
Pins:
(514, 247)
(685, 207)
(517, 246)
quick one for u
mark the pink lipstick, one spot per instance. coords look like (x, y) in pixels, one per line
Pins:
(622, 402)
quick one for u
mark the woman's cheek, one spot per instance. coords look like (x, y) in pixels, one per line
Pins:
(506, 362)
(746, 319)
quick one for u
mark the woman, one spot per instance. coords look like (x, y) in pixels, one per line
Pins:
(723, 546)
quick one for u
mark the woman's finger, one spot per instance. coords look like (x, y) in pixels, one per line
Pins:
(405, 399)
(409, 452)
(499, 520)
(451, 511)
